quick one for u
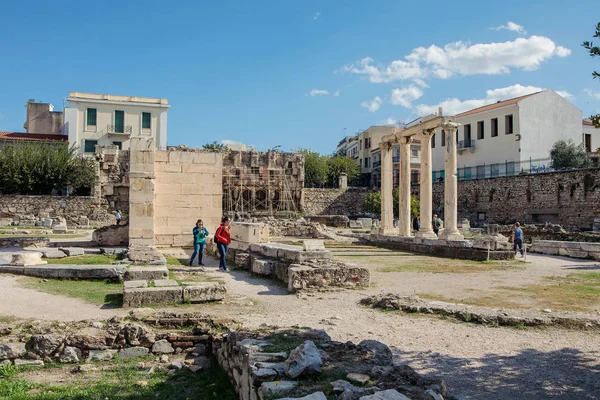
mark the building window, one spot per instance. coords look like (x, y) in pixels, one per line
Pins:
(360, 144)
(510, 168)
(480, 171)
(360, 161)
(146, 122)
(90, 118)
(414, 176)
(367, 143)
(467, 134)
(588, 142)
(494, 127)
(119, 145)
(508, 124)
(480, 132)
(433, 141)
(414, 153)
(119, 121)
(443, 138)
(367, 162)
(89, 146)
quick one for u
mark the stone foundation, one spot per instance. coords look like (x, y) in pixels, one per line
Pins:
(138, 293)
(112, 235)
(568, 249)
(24, 242)
(461, 249)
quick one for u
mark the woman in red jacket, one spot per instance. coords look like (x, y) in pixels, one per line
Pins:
(222, 239)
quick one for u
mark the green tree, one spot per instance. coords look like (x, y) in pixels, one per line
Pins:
(372, 203)
(341, 164)
(315, 168)
(214, 146)
(566, 154)
(594, 52)
(40, 167)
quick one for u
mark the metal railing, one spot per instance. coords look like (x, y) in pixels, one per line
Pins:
(125, 130)
(466, 144)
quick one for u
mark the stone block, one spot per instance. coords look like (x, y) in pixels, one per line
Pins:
(27, 259)
(590, 247)
(53, 253)
(302, 277)
(354, 224)
(165, 283)
(313, 245)
(365, 222)
(390, 394)
(58, 229)
(131, 352)
(136, 273)
(262, 267)
(48, 223)
(321, 396)
(29, 363)
(247, 232)
(201, 292)
(72, 251)
(155, 295)
(135, 284)
(12, 350)
(101, 355)
(276, 389)
(236, 245)
(242, 260)
(577, 253)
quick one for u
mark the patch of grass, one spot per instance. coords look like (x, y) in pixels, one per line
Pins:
(86, 259)
(122, 379)
(5, 319)
(97, 292)
(575, 292)
(177, 261)
(450, 266)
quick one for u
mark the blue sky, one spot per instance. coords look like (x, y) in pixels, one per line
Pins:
(294, 73)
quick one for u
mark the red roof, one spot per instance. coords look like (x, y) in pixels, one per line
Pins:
(33, 136)
(495, 105)
(587, 122)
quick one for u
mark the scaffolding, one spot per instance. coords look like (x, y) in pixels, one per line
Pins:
(250, 190)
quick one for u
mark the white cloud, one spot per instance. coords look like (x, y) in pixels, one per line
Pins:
(455, 106)
(460, 58)
(592, 93)
(564, 94)
(421, 83)
(318, 92)
(337, 93)
(511, 26)
(390, 121)
(405, 96)
(373, 105)
(316, 16)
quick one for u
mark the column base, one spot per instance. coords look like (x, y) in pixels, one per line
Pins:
(426, 235)
(451, 235)
(388, 231)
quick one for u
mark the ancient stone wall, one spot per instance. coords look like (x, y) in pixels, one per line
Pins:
(33, 210)
(187, 188)
(570, 198)
(334, 201)
(113, 177)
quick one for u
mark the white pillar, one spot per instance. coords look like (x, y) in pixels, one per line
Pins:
(387, 184)
(426, 229)
(450, 231)
(404, 221)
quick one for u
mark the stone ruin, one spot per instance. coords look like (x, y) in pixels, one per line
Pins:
(270, 363)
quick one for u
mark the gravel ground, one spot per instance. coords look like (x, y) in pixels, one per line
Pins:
(477, 362)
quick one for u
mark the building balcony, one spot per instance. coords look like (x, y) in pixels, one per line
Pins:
(466, 145)
(118, 130)
(376, 164)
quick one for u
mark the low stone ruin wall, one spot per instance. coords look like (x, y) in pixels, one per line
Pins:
(462, 249)
(24, 242)
(112, 235)
(348, 201)
(293, 363)
(297, 267)
(34, 210)
(549, 232)
(137, 293)
(568, 249)
(336, 221)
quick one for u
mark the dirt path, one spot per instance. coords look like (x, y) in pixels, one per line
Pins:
(27, 303)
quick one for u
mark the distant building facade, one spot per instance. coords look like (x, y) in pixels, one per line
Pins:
(9, 138)
(41, 118)
(100, 119)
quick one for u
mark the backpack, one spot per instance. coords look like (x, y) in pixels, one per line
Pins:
(216, 233)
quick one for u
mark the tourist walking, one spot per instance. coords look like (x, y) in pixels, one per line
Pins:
(517, 238)
(222, 239)
(118, 216)
(416, 223)
(200, 233)
(436, 223)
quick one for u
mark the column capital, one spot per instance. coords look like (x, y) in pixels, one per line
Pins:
(405, 139)
(450, 126)
(427, 133)
(385, 146)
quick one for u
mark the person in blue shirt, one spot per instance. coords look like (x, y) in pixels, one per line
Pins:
(200, 234)
(517, 239)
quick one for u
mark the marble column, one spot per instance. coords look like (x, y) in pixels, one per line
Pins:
(387, 184)
(450, 231)
(404, 221)
(426, 190)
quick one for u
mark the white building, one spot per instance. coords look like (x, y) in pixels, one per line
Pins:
(510, 136)
(101, 119)
(591, 136)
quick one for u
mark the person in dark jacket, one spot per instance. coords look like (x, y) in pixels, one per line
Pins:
(222, 240)
(200, 233)
(416, 223)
